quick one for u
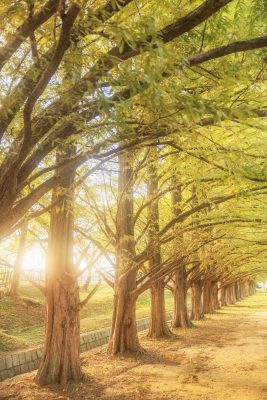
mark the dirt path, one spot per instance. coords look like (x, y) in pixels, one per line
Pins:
(222, 357)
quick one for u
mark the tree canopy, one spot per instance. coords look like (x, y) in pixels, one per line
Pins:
(139, 129)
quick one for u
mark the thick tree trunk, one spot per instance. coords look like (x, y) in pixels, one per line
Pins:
(208, 306)
(242, 289)
(232, 294)
(15, 281)
(228, 295)
(197, 303)
(61, 356)
(215, 296)
(158, 323)
(252, 288)
(180, 315)
(123, 337)
(246, 290)
(223, 296)
(239, 291)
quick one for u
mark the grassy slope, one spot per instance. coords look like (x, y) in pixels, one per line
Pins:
(22, 321)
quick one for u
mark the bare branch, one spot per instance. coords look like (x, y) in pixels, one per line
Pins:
(89, 296)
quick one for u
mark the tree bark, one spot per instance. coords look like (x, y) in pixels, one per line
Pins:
(207, 297)
(158, 324)
(215, 296)
(238, 291)
(28, 26)
(123, 337)
(223, 296)
(232, 294)
(197, 303)
(180, 315)
(61, 356)
(247, 286)
(13, 291)
(227, 295)
(252, 288)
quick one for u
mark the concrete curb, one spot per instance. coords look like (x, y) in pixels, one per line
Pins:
(29, 360)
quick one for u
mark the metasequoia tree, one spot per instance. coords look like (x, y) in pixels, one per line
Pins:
(137, 86)
(61, 356)
(123, 337)
(223, 275)
(133, 259)
(61, 117)
(128, 285)
(196, 284)
(179, 284)
(211, 280)
(158, 325)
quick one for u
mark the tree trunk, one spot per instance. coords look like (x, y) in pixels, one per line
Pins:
(246, 288)
(207, 298)
(61, 356)
(223, 296)
(13, 291)
(197, 303)
(214, 296)
(158, 323)
(232, 294)
(227, 295)
(242, 290)
(123, 337)
(180, 314)
(252, 288)
(239, 291)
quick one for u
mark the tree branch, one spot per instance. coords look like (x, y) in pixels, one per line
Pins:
(26, 29)
(89, 296)
(235, 47)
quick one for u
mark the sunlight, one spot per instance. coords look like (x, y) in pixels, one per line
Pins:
(34, 259)
(133, 196)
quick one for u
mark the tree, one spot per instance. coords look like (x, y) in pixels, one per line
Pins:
(61, 355)
(60, 119)
(180, 285)
(123, 337)
(136, 89)
(158, 324)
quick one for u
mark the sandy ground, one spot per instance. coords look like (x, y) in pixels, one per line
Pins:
(223, 357)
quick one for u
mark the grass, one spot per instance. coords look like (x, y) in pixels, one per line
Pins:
(22, 320)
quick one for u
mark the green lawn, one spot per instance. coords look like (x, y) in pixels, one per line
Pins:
(22, 320)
